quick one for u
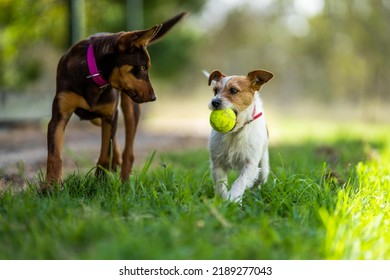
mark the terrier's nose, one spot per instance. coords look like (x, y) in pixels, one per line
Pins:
(216, 102)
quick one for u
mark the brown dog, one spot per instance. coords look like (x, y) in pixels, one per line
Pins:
(90, 78)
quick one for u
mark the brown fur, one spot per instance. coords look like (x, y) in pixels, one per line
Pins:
(245, 87)
(242, 100)
(124, 61)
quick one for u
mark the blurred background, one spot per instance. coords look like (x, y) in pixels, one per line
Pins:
(330, 59)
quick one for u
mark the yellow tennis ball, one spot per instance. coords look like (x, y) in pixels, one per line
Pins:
(223, 120)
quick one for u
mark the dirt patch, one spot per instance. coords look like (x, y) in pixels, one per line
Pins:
(23, 149)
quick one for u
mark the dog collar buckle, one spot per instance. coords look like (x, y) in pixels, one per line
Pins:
(94, 73)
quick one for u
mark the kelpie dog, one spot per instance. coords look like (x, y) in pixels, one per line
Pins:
(90, 78)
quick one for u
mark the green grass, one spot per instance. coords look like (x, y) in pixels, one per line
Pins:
(327, 198)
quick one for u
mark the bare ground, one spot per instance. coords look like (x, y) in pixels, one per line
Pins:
(23, 149)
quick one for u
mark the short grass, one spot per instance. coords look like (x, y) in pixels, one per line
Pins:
(327, 198)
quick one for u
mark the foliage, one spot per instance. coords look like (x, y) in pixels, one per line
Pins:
(338, 52)
(335, 53)
(168, 209)
(26, 25)
(23, 26)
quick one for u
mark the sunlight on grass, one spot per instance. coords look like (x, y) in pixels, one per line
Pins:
(327, 198)
(359, 227)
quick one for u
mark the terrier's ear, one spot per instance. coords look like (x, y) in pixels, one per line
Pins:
(166, 26)
(216, 76)
(137, 38)
(259, 77)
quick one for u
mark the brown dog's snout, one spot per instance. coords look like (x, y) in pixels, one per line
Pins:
(149, 95)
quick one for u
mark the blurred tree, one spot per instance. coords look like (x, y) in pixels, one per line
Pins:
(25, 24)
(349, 43)
(339, 52)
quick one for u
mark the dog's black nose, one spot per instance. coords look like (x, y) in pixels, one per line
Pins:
(216, 102)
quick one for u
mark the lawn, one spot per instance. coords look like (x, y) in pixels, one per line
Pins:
(327, 198)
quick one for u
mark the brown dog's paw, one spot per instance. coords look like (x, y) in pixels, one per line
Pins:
(103, 169)
(49, 186)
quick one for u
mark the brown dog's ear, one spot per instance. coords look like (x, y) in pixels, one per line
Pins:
(137, 38)
(259, 77)
(166, 26)
(216, 76)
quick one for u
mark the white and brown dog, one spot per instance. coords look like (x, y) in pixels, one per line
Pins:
(245, 148)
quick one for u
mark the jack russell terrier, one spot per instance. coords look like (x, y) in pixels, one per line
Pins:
(245, 147)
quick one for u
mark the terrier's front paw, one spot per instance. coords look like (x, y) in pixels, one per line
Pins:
(234, 196)
(221, 190)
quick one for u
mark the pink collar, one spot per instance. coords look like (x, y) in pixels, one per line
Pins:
(94, 73)
(254, 116)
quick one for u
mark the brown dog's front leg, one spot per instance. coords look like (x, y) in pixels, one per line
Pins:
(131, 113)
(109, 144)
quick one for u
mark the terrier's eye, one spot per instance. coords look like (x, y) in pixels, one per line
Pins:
(143, 68)
(233, 90)
(215, 90)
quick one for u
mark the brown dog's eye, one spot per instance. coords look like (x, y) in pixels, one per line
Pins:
(233, 90)
(138, 70)
(215, 90)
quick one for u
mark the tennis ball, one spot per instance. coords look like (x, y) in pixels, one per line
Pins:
(223, 120)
